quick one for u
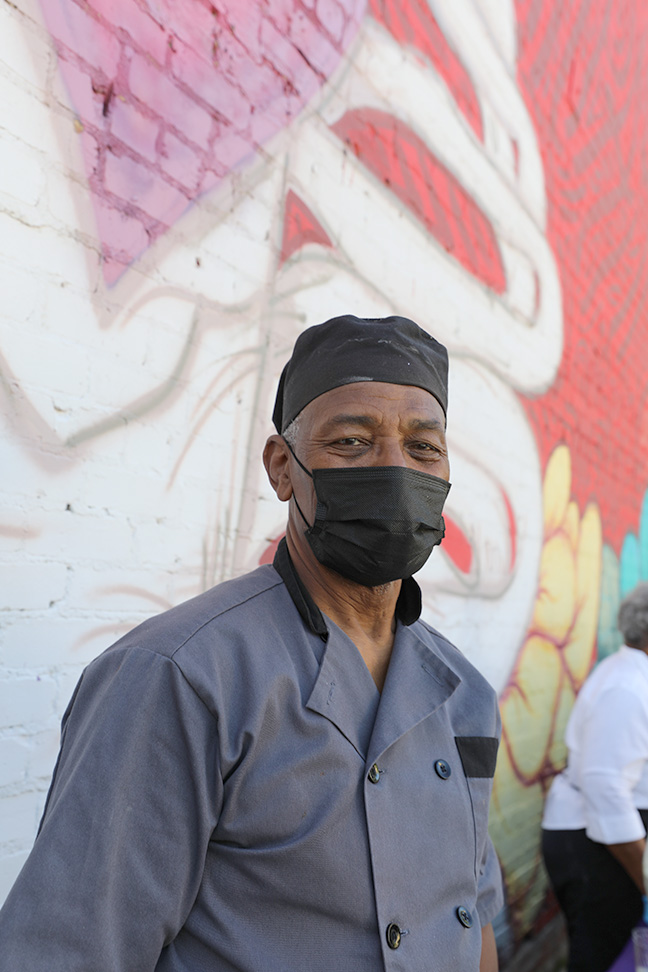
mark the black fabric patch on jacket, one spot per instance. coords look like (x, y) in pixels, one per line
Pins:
(478, 755)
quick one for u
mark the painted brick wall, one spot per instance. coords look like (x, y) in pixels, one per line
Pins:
(128, 381)
(184, 187)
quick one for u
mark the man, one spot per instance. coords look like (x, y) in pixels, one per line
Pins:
(291, 771)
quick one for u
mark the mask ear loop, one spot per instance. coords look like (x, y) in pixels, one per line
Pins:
(301, 464)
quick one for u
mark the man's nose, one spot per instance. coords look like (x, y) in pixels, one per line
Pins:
(391, 453)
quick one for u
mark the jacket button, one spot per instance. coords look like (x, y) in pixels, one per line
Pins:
(374, 777)
(443, 769)
(464, 917)
(393, 935)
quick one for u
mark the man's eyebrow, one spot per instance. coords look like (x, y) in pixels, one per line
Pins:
(366, 421)
(369, 422)
(430, 425)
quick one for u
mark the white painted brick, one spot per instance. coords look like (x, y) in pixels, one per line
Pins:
(129, 492)
(106, 539)
(66, 200)
(78, 537)
(22, 170)
(128, 593)
(49, 642)
(118, 375)
(31, 13)
(24, 49)
(156, 544)
(73, 638)
(26, 700)
(18, 818)
(14, 756)
(27, 760)
(52, 254)
(148, 448)
(63, 415)
(16, 528)
(10, 867)
(59, 365)
(104, 630)
(44, 747)
(25, 464)
(28, 586)
(22, 297)
(22, 214)
(25, 116)
(70, 314)
(66, 682)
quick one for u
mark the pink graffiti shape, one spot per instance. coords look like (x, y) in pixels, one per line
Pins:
(171, 95)
(300, 227)
(403, 163)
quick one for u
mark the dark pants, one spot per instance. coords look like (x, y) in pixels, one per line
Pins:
(601, 903)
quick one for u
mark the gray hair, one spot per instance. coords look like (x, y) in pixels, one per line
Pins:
(291, 432)
(633, 617)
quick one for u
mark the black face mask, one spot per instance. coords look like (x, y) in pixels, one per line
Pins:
(375, 524)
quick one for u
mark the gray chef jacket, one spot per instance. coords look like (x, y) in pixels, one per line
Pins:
(233, 794)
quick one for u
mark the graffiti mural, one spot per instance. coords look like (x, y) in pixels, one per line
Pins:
(582, 69)
(189, 185)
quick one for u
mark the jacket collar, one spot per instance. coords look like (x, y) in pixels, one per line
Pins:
(344, 691)
(408, 605)
(418, 681)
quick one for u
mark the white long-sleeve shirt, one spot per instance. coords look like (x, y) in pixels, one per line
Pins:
(606, 778)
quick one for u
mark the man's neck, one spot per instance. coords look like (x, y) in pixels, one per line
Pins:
(366, 614)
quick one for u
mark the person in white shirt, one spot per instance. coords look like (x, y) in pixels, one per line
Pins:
(595, 819)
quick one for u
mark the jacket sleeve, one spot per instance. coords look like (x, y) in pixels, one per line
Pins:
(614, 750)
(120, 852)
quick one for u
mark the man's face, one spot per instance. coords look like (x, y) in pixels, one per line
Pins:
(369, 423)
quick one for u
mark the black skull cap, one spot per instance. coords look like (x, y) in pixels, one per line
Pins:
(348, 349)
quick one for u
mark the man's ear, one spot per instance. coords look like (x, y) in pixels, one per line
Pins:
(276, 459)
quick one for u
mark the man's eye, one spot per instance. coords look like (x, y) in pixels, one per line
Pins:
(427, 449)
(425, 446)
(349, 440)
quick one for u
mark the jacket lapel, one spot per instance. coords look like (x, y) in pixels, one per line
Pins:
(418, 682)
(344, 691)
